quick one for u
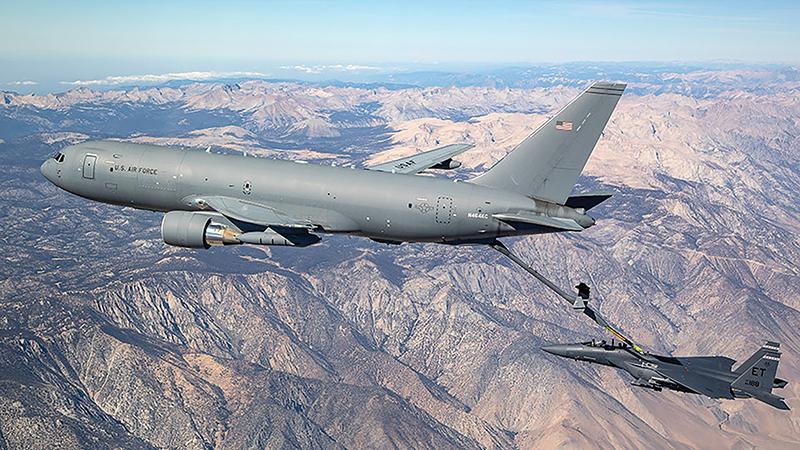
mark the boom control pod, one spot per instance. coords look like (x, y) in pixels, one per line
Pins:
(579, 302)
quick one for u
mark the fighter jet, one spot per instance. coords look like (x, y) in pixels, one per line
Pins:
(711, 376)
(212, 199)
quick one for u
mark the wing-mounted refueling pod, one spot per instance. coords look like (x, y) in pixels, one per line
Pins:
(447, 164)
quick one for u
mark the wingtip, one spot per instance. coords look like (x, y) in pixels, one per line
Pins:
(609, 84)
(607, 87)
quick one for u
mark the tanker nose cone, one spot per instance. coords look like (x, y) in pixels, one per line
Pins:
(48, 171)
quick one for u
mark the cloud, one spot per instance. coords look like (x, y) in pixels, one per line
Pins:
(164, 77)
(22, 83)
(332, 68)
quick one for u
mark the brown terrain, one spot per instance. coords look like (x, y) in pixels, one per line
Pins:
(109, 338)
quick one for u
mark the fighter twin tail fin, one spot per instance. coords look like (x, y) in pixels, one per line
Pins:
(757, 375)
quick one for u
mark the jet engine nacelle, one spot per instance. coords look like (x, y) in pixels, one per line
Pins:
(200, 230)
(195, 230)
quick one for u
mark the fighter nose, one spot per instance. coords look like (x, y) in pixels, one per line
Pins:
(558, 349)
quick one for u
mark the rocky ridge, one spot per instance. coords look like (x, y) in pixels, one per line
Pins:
(110, 338)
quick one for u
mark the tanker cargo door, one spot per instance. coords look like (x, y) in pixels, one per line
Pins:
(444, 210)
(89, 162)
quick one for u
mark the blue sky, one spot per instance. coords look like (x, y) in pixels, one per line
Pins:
(54, 41)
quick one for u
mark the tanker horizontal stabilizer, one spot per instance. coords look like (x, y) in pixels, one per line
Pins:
(588, 200)
(556, 223)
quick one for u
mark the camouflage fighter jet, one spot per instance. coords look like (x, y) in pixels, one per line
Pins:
(712, 376)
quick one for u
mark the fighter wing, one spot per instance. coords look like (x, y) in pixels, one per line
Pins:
(720, 363)
(416, 163)
(254, 213)
(693, 381)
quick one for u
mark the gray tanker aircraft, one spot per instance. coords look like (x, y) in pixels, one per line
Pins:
(212, 199)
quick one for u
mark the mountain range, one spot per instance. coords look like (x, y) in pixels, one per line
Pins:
(110, 338)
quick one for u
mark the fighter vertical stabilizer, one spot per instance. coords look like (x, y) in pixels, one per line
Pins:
(758, 378)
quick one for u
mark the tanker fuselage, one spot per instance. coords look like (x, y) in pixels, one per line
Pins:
(379, 205)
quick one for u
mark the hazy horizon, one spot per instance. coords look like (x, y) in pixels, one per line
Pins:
(47, 46)
(345, 73)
